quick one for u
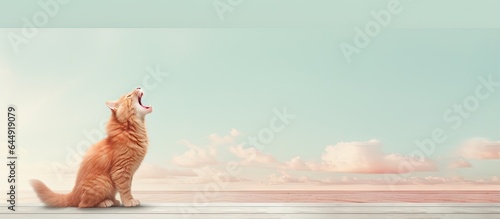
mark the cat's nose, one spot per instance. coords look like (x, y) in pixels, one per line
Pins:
(138, 88)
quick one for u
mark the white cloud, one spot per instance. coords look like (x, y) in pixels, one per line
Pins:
(252, 156)
(297, 163)
(230, 138)
(196, 156)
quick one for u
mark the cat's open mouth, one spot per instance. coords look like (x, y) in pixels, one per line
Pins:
(139, 98)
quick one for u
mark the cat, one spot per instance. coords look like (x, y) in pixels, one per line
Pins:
(109, 165)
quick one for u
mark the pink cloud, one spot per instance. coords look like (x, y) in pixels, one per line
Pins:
(151, 171)
(459, 163)
(297, 163)
(216, 139)
(252, 156)
(480, 149)
(369, 158)
(152, 174)
(349, 157)
(284, 177)
(436, 180)
(357, 157)
(213, 175)
(196, 156)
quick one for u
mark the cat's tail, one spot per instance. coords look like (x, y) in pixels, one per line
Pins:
(49, 197)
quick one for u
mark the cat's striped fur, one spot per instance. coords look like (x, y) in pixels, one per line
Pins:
(109, 165)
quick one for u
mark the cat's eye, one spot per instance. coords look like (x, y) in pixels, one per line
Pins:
(128, 96)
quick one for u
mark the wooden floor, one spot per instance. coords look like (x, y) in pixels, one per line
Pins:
(268, 210)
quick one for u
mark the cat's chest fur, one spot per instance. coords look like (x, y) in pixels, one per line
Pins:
(129, 149)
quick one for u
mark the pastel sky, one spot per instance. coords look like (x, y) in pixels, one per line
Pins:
(413, 110)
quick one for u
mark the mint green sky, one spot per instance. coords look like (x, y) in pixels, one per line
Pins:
(396, 90)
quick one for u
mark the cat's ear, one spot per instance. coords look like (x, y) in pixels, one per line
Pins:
(112, 105)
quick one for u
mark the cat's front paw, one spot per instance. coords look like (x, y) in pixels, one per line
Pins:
(131, 203)
(116, 202)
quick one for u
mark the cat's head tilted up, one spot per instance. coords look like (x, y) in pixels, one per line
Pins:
(129, 105)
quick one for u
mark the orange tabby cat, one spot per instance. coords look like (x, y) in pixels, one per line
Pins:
(110, 164)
